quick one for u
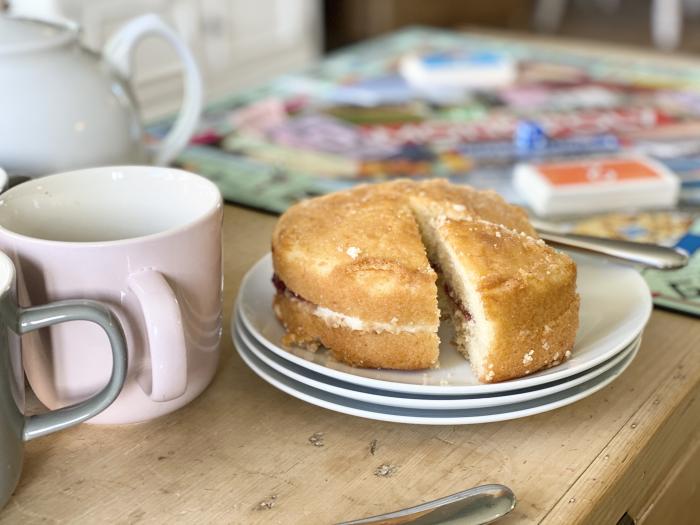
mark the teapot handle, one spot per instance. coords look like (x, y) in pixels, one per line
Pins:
(118, 52)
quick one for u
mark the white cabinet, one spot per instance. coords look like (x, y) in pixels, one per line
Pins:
(247, 41)
(238, 43)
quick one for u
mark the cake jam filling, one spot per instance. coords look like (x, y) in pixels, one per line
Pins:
(337, 319)
(282, 288)
(451, 293)
(459, 304)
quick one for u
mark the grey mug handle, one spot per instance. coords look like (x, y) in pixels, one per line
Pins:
(36, 317)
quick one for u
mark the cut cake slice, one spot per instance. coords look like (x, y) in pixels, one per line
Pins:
(512, 298)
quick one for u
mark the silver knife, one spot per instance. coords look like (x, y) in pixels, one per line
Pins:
(475, 506)
(651, 255)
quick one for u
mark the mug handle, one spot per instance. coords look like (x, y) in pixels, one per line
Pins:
(36, 317)
(166, 335)
(118, 52)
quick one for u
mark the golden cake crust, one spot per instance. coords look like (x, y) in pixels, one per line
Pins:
(464, 202)
(528, 291)
(359, 253)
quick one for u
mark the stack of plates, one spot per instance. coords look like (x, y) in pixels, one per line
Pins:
(615, 306)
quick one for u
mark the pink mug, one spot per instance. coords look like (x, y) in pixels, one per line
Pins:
(147, 242)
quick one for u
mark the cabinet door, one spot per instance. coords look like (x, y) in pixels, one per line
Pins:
(676, 498)
(245, 45)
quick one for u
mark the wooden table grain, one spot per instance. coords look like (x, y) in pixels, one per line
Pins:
(242, 453)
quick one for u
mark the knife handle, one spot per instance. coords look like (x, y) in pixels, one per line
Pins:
(476, 506)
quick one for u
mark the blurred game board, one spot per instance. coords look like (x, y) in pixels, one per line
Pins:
(675, 289)
(353, 119)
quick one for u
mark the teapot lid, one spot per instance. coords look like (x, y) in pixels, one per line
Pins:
(24, 34)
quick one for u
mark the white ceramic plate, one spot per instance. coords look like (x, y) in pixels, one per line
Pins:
(397, 399)
(424, 416)
(615, 306)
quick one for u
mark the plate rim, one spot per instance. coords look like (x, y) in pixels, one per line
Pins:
(413, 388)
(239, 331)
(598, 384)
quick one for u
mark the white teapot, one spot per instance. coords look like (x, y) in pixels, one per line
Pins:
(64, 107)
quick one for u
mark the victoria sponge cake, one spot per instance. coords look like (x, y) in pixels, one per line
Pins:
(366, 273)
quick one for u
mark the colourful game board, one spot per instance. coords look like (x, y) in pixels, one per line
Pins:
(675, 289)
(353, 119)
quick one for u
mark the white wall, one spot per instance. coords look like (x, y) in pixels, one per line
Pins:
(238, 43)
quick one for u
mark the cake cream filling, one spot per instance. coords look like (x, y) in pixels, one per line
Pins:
(341, 320)
(336, 319)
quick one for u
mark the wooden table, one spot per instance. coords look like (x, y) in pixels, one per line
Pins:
(241, 452)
